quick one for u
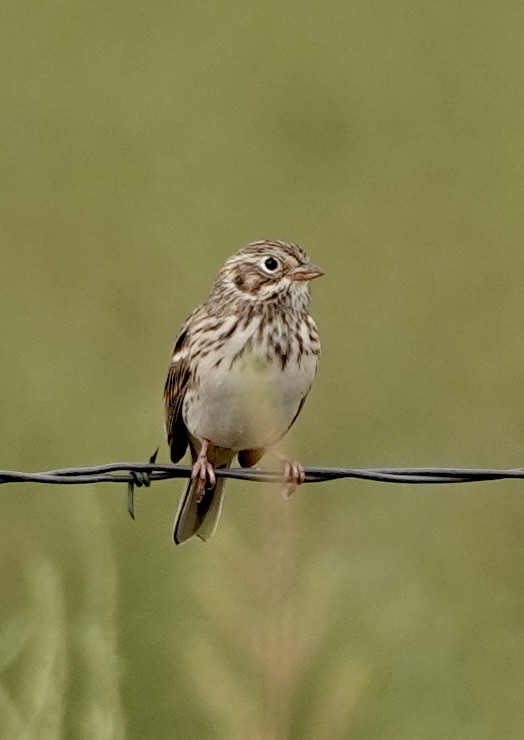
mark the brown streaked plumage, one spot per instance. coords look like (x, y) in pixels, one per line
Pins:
(241, 368)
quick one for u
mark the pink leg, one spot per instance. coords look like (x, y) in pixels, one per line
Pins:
(203, 470)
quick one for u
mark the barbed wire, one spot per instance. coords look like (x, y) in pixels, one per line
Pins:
(124, 472)
(144, 473)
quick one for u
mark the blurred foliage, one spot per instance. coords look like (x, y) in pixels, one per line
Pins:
(141, 145)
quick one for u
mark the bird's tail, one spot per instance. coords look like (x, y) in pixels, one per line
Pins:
(198, 513)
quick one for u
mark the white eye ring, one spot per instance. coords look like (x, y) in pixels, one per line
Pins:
(270, 265)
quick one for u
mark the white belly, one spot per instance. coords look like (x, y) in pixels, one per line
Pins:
(249, 403)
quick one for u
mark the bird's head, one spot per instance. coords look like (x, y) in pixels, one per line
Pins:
(266, 271)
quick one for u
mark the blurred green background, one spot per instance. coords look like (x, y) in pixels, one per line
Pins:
(142, 144)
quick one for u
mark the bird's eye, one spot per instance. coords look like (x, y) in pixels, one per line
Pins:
(270, 264)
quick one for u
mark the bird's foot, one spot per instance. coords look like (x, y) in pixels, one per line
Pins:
(293, 475)
(203, 471)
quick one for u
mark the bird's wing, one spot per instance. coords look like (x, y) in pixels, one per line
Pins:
(174, 392)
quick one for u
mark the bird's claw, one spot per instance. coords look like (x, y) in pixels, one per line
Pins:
(203, 473)
(293, 476)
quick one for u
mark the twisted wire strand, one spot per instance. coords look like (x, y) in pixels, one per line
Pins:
(144, 473)
(132, 472)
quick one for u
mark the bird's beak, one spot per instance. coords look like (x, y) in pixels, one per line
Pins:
(308, 271)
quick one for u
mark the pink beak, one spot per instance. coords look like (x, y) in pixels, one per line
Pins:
(309, 271)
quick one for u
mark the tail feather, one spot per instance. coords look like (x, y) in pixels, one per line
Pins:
(197, 514)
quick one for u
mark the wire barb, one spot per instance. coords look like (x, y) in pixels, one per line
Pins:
(138, 478)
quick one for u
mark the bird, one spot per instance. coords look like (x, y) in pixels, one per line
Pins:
(241, 368)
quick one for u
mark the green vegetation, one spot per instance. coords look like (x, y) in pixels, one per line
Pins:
(141, 145)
